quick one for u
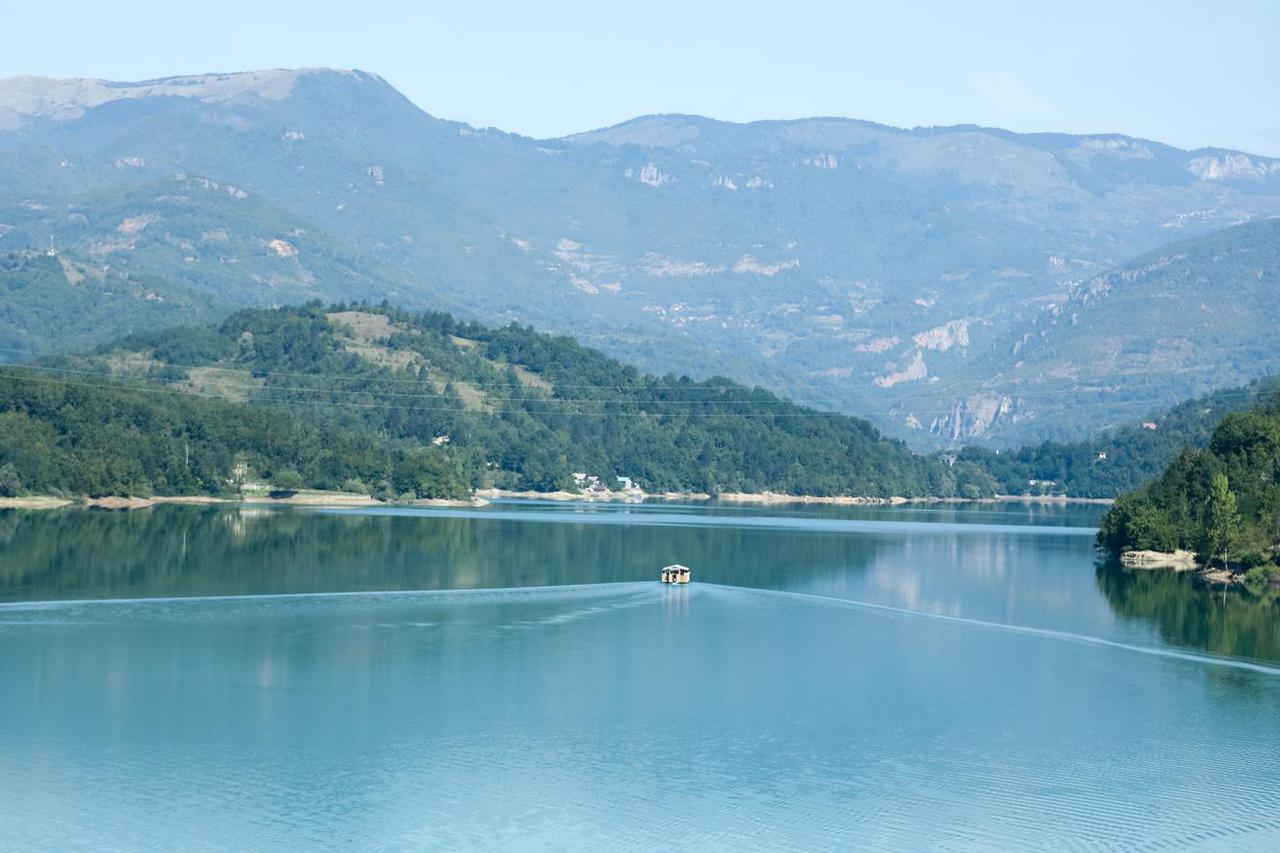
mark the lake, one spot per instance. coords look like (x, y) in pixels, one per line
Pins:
(513, 677)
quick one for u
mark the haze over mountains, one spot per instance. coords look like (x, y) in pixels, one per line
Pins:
(954, 284)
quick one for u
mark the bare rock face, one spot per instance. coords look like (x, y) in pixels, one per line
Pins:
(954, 333)
(1228, 166)
(282, 248)
(650, 174)
(973, 417)
(913, 370)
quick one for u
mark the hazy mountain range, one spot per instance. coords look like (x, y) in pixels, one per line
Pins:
(953, 284)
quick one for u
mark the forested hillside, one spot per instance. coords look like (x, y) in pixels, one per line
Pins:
(513, 408)
(110, 437)
(1223, 502)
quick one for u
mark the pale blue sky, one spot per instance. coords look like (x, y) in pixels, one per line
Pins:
(1187, 73)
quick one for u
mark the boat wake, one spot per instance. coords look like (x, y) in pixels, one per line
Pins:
(1026, 630)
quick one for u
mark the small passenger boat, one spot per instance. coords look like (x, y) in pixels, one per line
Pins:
(675, 573)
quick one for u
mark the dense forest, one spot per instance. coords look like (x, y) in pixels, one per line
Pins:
(1120, 460)
(426, 404)
(111, 437)
(1223, 501)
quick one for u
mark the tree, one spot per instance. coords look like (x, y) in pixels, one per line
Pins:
(10, 485)
(244, 346)
(1133, 522)
(1222, 518)
(384, 492)
(239, 472)
(287, 480)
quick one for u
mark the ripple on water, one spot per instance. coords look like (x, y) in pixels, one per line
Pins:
(628, 715)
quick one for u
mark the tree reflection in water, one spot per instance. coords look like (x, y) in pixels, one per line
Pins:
(1188, 613)
(190, 550)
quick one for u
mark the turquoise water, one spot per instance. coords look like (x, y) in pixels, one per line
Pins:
(872, 679)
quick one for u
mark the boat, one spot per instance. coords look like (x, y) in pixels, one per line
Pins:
(675, 573)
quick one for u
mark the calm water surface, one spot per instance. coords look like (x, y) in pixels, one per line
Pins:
(513, 677)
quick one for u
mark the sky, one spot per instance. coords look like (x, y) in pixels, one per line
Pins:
(1190, 74)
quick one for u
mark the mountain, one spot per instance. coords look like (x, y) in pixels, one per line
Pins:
(505, 407)
(1120, 459)
(1189, 317)
(850, 265)
(56, 303)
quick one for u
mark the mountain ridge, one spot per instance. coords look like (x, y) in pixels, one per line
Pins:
(277, 84)
(35, 97)
(878, 271)
(1043, 137)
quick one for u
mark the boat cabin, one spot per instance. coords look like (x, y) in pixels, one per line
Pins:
(675, 574)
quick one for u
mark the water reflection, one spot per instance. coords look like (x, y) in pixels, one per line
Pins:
(1188, 613)
(1022, 565)
(183, 551)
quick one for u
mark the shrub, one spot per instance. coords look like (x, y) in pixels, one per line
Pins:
(1253, 559)
(1261, 579)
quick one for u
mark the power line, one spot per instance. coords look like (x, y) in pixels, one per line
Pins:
(649, 382)
(150, 387)
(142, 383)
(253, 387)
(900, 407)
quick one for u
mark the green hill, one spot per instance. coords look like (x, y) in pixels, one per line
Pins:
(507, 407)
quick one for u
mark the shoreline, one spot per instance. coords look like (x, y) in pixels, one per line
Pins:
(482, 497)
(1043, 499)
(34, 502)
(897, 500)
(783, 498)
(768, 498)
(1181, 562)
(307, 498)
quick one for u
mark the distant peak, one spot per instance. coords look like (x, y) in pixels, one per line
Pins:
(27, 97)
